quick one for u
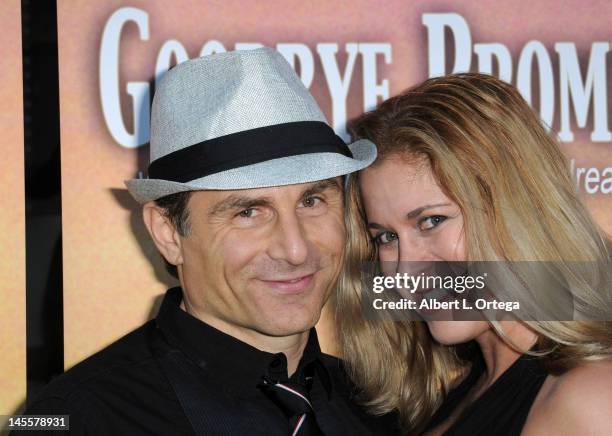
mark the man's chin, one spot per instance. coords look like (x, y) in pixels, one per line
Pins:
(289, 326)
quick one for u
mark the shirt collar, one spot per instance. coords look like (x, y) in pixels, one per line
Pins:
(238, 365)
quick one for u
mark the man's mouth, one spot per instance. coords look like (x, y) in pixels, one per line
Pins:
(290, 285)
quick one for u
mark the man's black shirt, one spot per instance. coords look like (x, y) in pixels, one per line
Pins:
(124, 389)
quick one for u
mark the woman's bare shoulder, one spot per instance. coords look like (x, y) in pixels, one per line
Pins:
(578, 401)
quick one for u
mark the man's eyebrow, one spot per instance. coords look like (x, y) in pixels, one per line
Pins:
(412, 214)
(237, 201)
(322, 186)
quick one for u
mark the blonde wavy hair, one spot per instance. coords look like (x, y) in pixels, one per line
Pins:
(491, 155)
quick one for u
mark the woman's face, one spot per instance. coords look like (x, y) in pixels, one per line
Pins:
(411, 219)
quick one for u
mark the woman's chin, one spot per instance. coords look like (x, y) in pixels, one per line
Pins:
(456, 332)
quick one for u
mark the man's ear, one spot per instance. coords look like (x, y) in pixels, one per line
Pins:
(164, 235)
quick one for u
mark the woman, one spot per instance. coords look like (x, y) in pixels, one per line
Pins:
(466, 172)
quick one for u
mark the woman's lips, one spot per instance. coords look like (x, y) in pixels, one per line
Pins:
(290, 286)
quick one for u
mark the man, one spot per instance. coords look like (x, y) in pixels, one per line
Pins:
(245, 199)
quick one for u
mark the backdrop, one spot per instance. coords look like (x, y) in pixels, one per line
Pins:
(351, 54)
(12, 218)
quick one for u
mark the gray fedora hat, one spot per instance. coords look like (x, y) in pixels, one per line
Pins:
(240, 120)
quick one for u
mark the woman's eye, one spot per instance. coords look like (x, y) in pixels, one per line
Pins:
(431, 222)
(385, 238)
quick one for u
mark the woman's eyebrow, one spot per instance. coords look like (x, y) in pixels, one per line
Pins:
(419, 210)
(412, 214)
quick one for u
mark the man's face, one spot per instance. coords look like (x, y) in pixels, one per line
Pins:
(264, 259)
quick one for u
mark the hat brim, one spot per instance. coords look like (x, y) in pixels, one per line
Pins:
(303, 168)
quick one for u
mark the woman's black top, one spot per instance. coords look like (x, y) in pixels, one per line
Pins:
(503, 408)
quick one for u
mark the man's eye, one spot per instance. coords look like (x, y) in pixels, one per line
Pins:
(385, 238)
(311, 201)
(431, 222)
(247, 213)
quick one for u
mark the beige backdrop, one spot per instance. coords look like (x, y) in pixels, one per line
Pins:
(112, 274)
(12, 218)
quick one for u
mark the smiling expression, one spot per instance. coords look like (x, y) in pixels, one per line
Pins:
(410, 219)
(263, 259)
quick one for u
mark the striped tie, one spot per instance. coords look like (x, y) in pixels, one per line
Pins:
(292, 398)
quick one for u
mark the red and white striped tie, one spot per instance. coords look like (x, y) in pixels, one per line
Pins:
(293, 399)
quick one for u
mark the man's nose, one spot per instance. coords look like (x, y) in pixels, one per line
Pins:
(289, 241)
